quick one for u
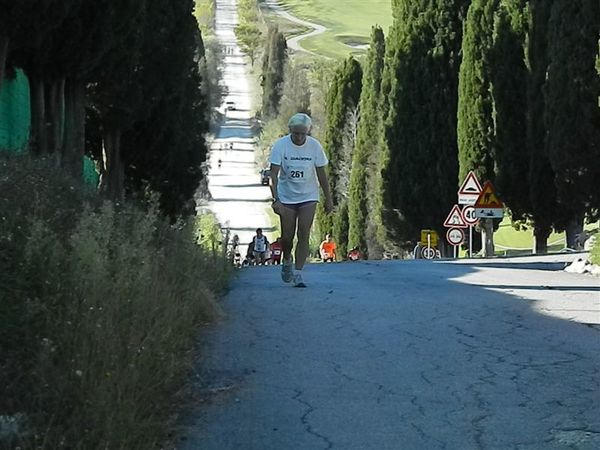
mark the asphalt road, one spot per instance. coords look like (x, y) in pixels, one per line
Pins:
(402, 355)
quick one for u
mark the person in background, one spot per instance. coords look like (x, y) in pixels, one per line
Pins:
(259, 246)
(297, 169)
(353, 254)
(276, 250)
(327, 249)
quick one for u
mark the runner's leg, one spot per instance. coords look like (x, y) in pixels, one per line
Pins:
(288, 230)
(306, 214)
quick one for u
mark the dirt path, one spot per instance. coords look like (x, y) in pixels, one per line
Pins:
(294, 43)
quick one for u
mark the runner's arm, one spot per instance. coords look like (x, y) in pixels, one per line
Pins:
(322, 176)
(274, 179)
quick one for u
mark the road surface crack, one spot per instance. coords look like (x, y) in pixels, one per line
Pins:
(305, 421)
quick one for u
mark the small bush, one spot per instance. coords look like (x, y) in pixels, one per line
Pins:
(98, 310)
(595, 253)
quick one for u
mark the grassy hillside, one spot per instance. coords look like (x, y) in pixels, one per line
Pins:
(349, 23)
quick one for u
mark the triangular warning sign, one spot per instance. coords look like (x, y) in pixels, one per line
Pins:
(488, 197)
(455, 219)
(470, 185)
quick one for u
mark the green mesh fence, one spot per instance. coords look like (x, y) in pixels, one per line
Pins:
(90, 175)
(15, 113)
(15, 122)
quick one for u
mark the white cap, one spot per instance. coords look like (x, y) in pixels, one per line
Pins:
(300, 120)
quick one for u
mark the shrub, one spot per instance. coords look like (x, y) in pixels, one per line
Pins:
(100, 304)
(595, 253)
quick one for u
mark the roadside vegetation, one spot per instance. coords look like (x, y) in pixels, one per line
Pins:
(100, 303)
(457, 86)
(103, 288)
(248, 31)
(595, 254)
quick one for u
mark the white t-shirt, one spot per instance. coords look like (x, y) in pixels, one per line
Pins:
(297, 175)
(260, 244)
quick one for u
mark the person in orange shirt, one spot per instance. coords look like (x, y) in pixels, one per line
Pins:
(327, 249)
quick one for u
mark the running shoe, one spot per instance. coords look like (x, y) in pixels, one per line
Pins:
(298, 281)
(287, 273)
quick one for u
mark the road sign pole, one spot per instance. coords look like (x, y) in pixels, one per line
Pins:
(470, 241)
(455, 251)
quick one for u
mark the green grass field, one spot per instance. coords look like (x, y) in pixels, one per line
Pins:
(349, 23)
(512, 242)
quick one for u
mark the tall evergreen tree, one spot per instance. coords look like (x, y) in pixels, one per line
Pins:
(295, 93)
(362, 216)
(421, 87)
(476, 139)
(117, 93)
(509, 89)
(544, 206)
(342, 99)
(274, 62)
(571, 112)
(475, 104)
(165, 149)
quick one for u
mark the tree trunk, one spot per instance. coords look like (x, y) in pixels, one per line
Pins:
(56, 110)
(74, 128)
(487, 238)
(113, 172)
(3, 55)
(573, 231)
(38, 116)
(541, 234)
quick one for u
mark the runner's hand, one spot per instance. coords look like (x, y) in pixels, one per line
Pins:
(276, 205)
(328, 205)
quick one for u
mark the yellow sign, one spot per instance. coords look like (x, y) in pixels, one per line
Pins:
(429, 237)
(488, 198)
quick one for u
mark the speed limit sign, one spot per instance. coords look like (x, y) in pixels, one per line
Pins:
(428, 252)
(468, 213)
(455, 236)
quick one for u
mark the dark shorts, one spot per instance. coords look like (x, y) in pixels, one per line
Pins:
(298, 206)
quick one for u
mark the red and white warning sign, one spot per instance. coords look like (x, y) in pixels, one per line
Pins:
(470, 189)
(455, 236)
(455, 219)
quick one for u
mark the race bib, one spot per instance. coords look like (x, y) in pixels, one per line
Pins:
(297, 173)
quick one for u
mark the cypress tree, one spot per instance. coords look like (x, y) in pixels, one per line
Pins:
(571, 114)
(476, 140)
(475, 104)
(542, 191)
(342, 100)
(165, 149)
(295, 93)
(509, 89)
(421, 86)
(273, 72)
(362, 214)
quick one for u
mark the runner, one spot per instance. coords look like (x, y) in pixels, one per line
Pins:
(297, 169)
(327, 249)
(276, 249)
(259, 246)
(354, 254)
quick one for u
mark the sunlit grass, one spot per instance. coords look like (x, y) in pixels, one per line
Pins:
(347, 21)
